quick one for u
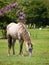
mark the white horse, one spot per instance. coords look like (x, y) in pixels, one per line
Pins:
(18, 32)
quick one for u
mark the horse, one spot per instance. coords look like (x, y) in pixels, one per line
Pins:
(18, 31)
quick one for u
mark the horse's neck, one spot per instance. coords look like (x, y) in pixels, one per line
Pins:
(25, 34)
(20, 23)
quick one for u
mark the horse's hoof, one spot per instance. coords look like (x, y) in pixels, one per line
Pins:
(21, 54)
(13, 53)
(8, 54)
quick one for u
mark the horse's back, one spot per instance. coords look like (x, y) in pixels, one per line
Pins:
(9, 25)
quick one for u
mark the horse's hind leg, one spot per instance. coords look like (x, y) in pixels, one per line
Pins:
(13, 43)
(9, 44)
(21, 46)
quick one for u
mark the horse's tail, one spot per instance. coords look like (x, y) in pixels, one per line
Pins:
(9, 41)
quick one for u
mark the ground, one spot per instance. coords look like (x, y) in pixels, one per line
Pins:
(40, 53)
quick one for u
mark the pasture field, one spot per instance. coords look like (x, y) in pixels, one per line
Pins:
(40, 54)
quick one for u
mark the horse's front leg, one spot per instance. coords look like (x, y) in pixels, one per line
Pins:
(13, 43)
(21, 46)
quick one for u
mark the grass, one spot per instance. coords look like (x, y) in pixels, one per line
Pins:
(40, 54)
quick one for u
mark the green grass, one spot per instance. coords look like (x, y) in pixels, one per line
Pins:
(40, 54)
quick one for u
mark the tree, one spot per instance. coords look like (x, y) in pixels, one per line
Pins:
(36, 13)
(6, 18)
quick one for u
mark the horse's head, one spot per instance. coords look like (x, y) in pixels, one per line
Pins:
(29, 49)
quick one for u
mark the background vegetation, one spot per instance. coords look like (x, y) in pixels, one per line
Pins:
(37, 13)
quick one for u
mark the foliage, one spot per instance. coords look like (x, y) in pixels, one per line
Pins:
(37, 12)
(5, 19)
